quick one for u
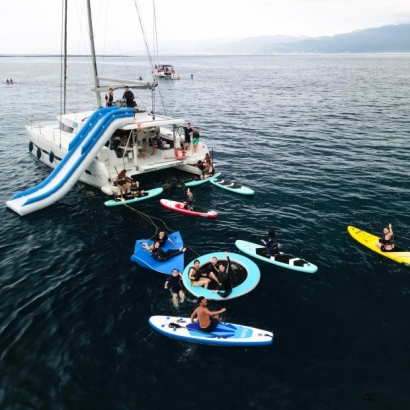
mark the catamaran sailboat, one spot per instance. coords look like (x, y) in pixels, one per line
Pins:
(165, 71)
(92, 146)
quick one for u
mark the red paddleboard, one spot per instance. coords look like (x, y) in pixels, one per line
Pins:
(179, 207)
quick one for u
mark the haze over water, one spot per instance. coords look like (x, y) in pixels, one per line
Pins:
(323, 141)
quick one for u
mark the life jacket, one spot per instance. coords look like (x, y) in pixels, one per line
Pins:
(385, 241)
(196, 276)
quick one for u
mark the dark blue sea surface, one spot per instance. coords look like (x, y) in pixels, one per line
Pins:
(324, 142)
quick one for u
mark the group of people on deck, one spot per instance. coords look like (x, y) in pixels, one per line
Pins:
(128, 97)
(129, 189)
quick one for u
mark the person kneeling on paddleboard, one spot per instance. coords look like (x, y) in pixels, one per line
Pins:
(161, 256)
(208, 320)
(271, 244)
(135, 193)
(386, 243)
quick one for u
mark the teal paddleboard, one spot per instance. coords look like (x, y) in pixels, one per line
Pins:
(282, 259)
(232, 186)
(202, 181)
(148, 194)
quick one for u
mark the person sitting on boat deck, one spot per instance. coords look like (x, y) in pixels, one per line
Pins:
(189, 203)
(195, 139)
(174, 284)
(162, 256)
(272, 246)
(196, 277)
(162, 238)
(156, 142)
(134, 192)
(208, 320)
(208, 171)
(129, 98)
(225, 277)
(386, 243)
(188, 132)
(109, 97)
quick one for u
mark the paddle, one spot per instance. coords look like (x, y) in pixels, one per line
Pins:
(176, 325)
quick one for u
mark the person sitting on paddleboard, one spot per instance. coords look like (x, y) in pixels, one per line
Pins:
(173, 283)
(189, 203)
(162, 238)
(125, 188)
(271, 244)
(195, 276)
(134, 192)
(208, 320)
(386, 243)
(225, 289)
(161, 256)
(208, 171)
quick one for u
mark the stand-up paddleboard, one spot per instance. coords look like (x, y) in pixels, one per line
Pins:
(232, 186)
(245, 276)
(143, 257)
(148, 194)
(179, 207)
(225, 334)
(367, 239)
(282, 259)
(202, 181)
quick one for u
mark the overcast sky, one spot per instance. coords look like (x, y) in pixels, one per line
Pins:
(34, 26)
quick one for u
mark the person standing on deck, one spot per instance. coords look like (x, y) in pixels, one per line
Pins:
(109, 97)
(129, 98)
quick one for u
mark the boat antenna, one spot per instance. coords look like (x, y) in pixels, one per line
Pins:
(93, 58)
(65, 58)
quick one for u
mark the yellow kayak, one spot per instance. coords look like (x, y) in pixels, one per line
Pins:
(367, 239)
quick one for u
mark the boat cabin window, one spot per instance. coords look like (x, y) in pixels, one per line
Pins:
(66, 128)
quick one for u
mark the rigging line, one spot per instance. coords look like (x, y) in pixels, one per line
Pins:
(105, 37)
(61, 65)
(155, 32)
(149, 218)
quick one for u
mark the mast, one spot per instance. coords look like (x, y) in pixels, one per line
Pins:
(65, 58)
(94, 62)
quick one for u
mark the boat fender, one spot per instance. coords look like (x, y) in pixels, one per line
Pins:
(179, 154)
(30, 146)
(51, 156)
(38, 153)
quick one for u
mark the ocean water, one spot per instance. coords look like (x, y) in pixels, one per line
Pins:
(323, 141)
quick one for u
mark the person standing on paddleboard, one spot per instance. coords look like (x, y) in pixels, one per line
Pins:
(189, 203)
(208, 320)
(386, 243)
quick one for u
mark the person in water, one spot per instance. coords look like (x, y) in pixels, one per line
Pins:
(162, 256)
(162, 238)
(173, 283)
(272, 246)
(189, 203)
(195, 276)
(7, 82)
(386, 243)
(225, 278)
(109, 97)
(208, 320)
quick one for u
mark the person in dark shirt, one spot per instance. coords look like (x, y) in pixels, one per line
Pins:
(173, 283)
(161, 256)
(129, 98)
(272, 246)
(188, 133)
(189, 203)
(109, 97)
(224, 278)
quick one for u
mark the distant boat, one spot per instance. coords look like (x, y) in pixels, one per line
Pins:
(165, 71)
